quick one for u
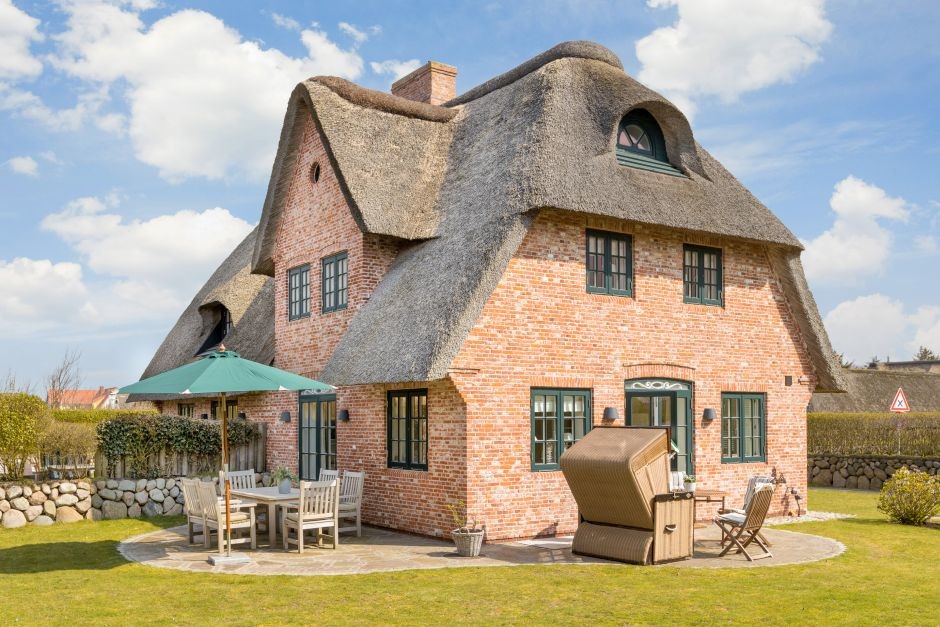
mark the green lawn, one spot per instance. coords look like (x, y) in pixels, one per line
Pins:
(889, 575)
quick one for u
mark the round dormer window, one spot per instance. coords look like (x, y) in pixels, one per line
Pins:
(640, 134)
(315, 173)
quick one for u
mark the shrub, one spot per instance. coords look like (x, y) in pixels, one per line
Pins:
(910, 498)
(914, 434)
(63, 442)
(21, 422)
(139, 439)
(94, 416)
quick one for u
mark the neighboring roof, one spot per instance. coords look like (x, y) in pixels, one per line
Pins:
(464, 181)
(89, 399)
(873, 390)
(250, 301)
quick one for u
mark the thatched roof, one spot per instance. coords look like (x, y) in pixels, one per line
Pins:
(249, 299)
(463, 182)
(869, 390)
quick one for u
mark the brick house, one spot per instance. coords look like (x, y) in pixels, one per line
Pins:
(486, 277)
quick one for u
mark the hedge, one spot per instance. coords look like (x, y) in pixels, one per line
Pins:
(912, 435)
(139, 439)
(94, 416)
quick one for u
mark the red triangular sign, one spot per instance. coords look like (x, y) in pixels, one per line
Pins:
(900, 404)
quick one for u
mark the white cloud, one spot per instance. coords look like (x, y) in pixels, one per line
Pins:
(18, 30)
(24, 165)
(926, 244)
(395, 67)
(285, 22)
(30, 106)
(51, 157)
(878, 326)
(357, 35)
(38, 295)
(857, 245)
(725, 48)
(132, 271)
(174, 252)
(203, 101)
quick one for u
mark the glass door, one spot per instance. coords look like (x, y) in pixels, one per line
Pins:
(317, 435)
(664, 403)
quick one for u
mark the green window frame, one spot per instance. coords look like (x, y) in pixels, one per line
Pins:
(407, 436)
(185, 409)
(298, 292)
(334, 284)
(558, 418)
(608, 261)
(702, 277)
(743, 428)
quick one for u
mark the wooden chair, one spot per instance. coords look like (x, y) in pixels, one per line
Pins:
(328, 475)
(350, 500)
(318, 509)
(752, 484)
(214, 517)
(239, 479)
(195, 514)
(742, 530)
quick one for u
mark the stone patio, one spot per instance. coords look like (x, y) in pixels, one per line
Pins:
(382, 550)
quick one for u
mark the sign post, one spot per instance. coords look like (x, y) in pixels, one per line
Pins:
(899, 404)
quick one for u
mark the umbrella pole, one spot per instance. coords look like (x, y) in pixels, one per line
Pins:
(227, 486)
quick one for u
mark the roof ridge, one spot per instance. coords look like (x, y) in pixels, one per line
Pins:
(382, 101)
(578, 49)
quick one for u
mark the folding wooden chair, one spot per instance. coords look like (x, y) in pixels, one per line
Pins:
(743, 530)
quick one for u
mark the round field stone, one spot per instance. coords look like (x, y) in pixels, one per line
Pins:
(13, 519)
(67, 515)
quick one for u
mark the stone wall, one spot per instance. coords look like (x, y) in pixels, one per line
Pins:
(864, 473)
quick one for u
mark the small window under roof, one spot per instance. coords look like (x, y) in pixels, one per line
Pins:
(640, 144)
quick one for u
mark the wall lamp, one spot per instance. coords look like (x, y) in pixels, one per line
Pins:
(709, 414)
(610, 413)
(242, 415)
(344, 415)
(285, 416)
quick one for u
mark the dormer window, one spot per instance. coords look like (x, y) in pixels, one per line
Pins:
(640, 143)
(218, 316)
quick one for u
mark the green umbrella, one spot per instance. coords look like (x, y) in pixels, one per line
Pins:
(224, 372)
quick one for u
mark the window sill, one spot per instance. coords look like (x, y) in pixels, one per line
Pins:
(744, 461)
(705, 304)
(300, 317)
(324, 312)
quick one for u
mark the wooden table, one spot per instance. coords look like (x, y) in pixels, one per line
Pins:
(271, 497)
(711, 496)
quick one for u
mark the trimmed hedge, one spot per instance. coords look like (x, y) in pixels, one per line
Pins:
(94, 416)
(140, 439)
(912, 435)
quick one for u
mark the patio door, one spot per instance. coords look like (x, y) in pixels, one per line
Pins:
(664, 403)
(317, 435)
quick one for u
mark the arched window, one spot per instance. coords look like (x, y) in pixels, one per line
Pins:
(640, 134)
(218, 316)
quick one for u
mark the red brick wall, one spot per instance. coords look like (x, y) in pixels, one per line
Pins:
(541, 329)
(317, 222)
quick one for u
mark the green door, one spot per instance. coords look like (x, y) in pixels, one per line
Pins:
(664, 403)
(317, 435)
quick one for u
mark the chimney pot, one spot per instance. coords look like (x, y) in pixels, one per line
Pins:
(432, 83)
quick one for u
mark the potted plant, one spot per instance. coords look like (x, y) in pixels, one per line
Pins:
(283, 478)
(467, 537)
(690, 483)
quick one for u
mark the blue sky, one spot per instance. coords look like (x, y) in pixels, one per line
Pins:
(136, 138)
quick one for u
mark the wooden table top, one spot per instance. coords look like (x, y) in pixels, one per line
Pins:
(270, 493)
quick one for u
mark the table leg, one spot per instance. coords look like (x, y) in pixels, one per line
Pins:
(272, 524)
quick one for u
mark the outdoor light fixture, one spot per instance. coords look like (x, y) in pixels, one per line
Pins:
(788, 380)
(610, 413)
(344, 415)
(205, 416)
(709, 414)
(285, 416)
(242, 415)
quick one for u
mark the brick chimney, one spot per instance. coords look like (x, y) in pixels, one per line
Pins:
(434, 83)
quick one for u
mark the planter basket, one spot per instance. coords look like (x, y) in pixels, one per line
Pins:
(468, 543)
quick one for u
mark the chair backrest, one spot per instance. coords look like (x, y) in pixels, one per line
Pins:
(191, 497)
(351, 487)
(756, 512)
(319, 497)
(239, 479)
(208, 499)
(752, 484)
(328, 475)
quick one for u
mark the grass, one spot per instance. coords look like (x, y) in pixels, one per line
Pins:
(888, 575)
